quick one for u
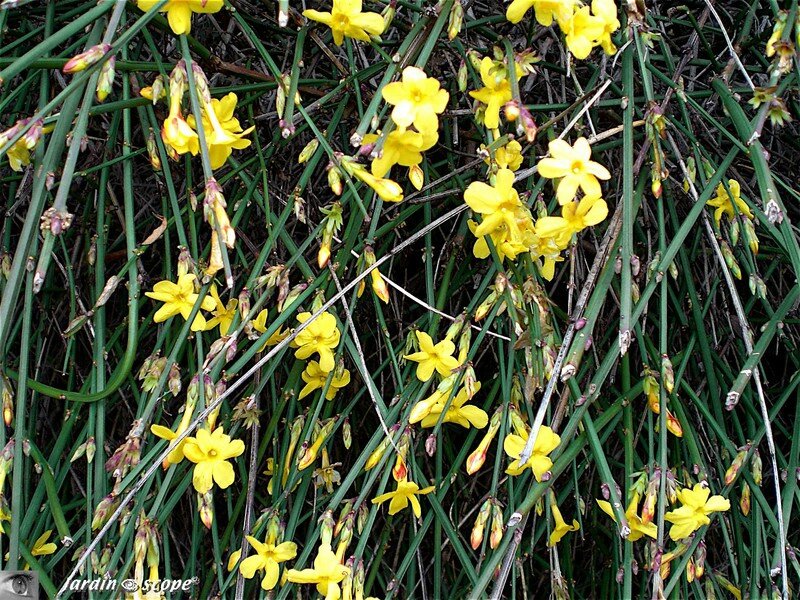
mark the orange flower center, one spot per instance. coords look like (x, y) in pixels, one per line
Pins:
(212, 453)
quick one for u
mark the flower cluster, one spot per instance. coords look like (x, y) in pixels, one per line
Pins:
(507, 222)
(584, 26)
(220, 128)
(696, 504)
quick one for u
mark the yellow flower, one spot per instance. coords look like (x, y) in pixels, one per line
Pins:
(638, 527)
(267, 558)
(561, 528)
(387, 189)
(222, 130)
(402, 148)
(539, 462)
(347, 20)
(509, 156)
(417, 100)
(582, 31)
(41, 547)
(498, 204)
(433, 357)
(260, 325)
(327, 474)
(315, 379)
(575, 217)
(606, 11)
(327, 573)
(549, 251)
(321, 336)
(546, 10)
(18, 155)
(506, 247)
(179, 298)
(176, 132)
(405, 493)
(429, 410)
(693, 514)
(210, 453)
(176, 454)
(575, 167)
(496, 91)
(724, 203)
(179, 12)
(223, 314)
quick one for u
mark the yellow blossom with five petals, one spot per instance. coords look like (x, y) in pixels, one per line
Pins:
(574, 166)
(210, 453)
(320, 337)
(724, 202)
(582, 32)
(222, 130)
(223, 313)
(315, 379)
(267, 558)
(539, 462)
(406, 492)
(496, 90)
(429, 410)
(575, 217)
(693, 513)
(179, 299)
(433, 357)
(347, 20)
(499, 204)
(606, 11)
(260, 325)
(417, 100)
(402, 148)
(327, 573)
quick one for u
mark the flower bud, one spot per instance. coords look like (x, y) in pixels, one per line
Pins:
(416, 176)
(738, 461)
(377, 454)
(81, 61)
(744, 500)
(430, 444)
(755, 467)
(667, 374)
(335, 180)
(478, 457)
(476, 538)
(462, 76)
(750, 235)
(497, 527)
(326, 525)
(730, 259)
(347, 436)
(388, 14)
(105, 82)
(104, 510)
(7, 393)
(308, 151)
(205, 506)
(456, 20)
